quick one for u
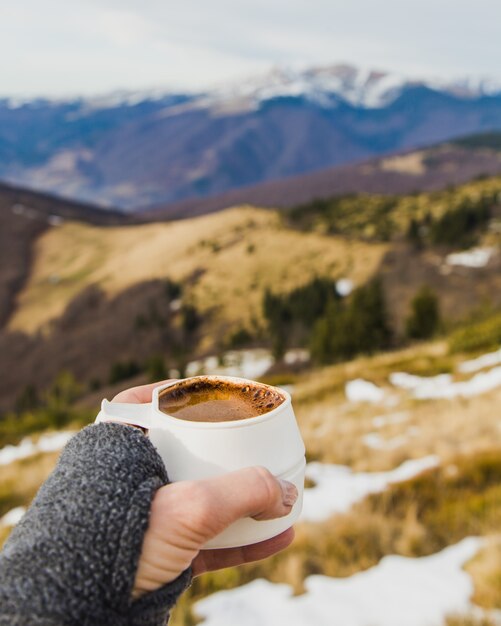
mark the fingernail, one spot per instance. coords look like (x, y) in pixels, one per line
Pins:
(289, 492)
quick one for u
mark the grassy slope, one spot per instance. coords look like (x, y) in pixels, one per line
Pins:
(237, 253)
(372, 216)
(418, 517)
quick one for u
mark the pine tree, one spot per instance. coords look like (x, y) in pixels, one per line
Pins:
(424, 319)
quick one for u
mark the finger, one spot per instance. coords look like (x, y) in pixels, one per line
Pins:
(210, 560)
(251, 492)
(141, 394)
(209, 506)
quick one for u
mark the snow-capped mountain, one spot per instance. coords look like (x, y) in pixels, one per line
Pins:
(134, 149)
(366, 88)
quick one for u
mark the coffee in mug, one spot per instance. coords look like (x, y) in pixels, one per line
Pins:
(210, 399)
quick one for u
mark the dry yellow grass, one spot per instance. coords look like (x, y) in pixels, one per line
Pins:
(406, 164)
(485, 569)
(238, 252)
(19, 482)
(333, 428)
(471, 620)
(333, 431)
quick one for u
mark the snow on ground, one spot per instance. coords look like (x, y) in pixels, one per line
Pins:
(486, 360)
(377, 442)
(241, 363)
(476, 257)
(443, 386)
(298, 355)
(393, 418)
(410, 382)
(46, 443)
(344, 286)
(288, 388)
(360, 390)
(337, 487)
(399, 591)
(13, 517)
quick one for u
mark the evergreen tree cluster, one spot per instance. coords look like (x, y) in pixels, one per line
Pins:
(291, 316)
(459, 226)
(369, 217)
(359, 325)
(334, 329)
(424, 319)
(337, 329)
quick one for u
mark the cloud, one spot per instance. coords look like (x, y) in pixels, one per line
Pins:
(87, 46)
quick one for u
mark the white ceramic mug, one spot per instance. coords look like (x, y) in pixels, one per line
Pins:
(194, 450)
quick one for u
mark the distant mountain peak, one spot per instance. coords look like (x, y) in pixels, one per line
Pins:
(366, 88)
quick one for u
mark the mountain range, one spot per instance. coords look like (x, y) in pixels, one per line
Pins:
(141, 150)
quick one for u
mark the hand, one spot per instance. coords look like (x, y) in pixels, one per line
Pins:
(186, 514)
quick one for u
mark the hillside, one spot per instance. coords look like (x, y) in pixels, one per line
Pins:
(399, 420)
(105, 291)
(25, 215)
(145, 150)
(427, 169)
(454, 495)
(104, 301)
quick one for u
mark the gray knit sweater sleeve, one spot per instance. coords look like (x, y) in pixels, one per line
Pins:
(72, 559)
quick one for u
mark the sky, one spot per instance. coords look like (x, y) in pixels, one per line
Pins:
(69, 47)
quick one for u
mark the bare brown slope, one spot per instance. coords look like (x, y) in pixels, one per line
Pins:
(428, 170)
(24, 215)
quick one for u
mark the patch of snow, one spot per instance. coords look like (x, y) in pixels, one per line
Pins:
(46, 443)
(176, 305)
(337, 487)
(393, 418)
(376, 442)
(295, 356)
(13, 517)
(399, 591)
(252, 363)
(486, 360)
(360, 390)
(344, 286)
(326, 86)
(411, 382)
(443, 386)
(55, 220)
(288, 388)
(240, 363)
(476, 257)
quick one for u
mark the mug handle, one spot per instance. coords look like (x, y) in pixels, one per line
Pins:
(126, 413)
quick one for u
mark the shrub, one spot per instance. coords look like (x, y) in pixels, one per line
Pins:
(122, 370)
(290, 317)
(190, 319)
(360, 326)
(173, 289)
(155, 368)
(55, 410)
(239, 338)
(482, 335)
(424, 319)
(460, 226)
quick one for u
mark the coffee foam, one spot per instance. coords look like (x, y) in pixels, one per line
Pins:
(205, 399)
